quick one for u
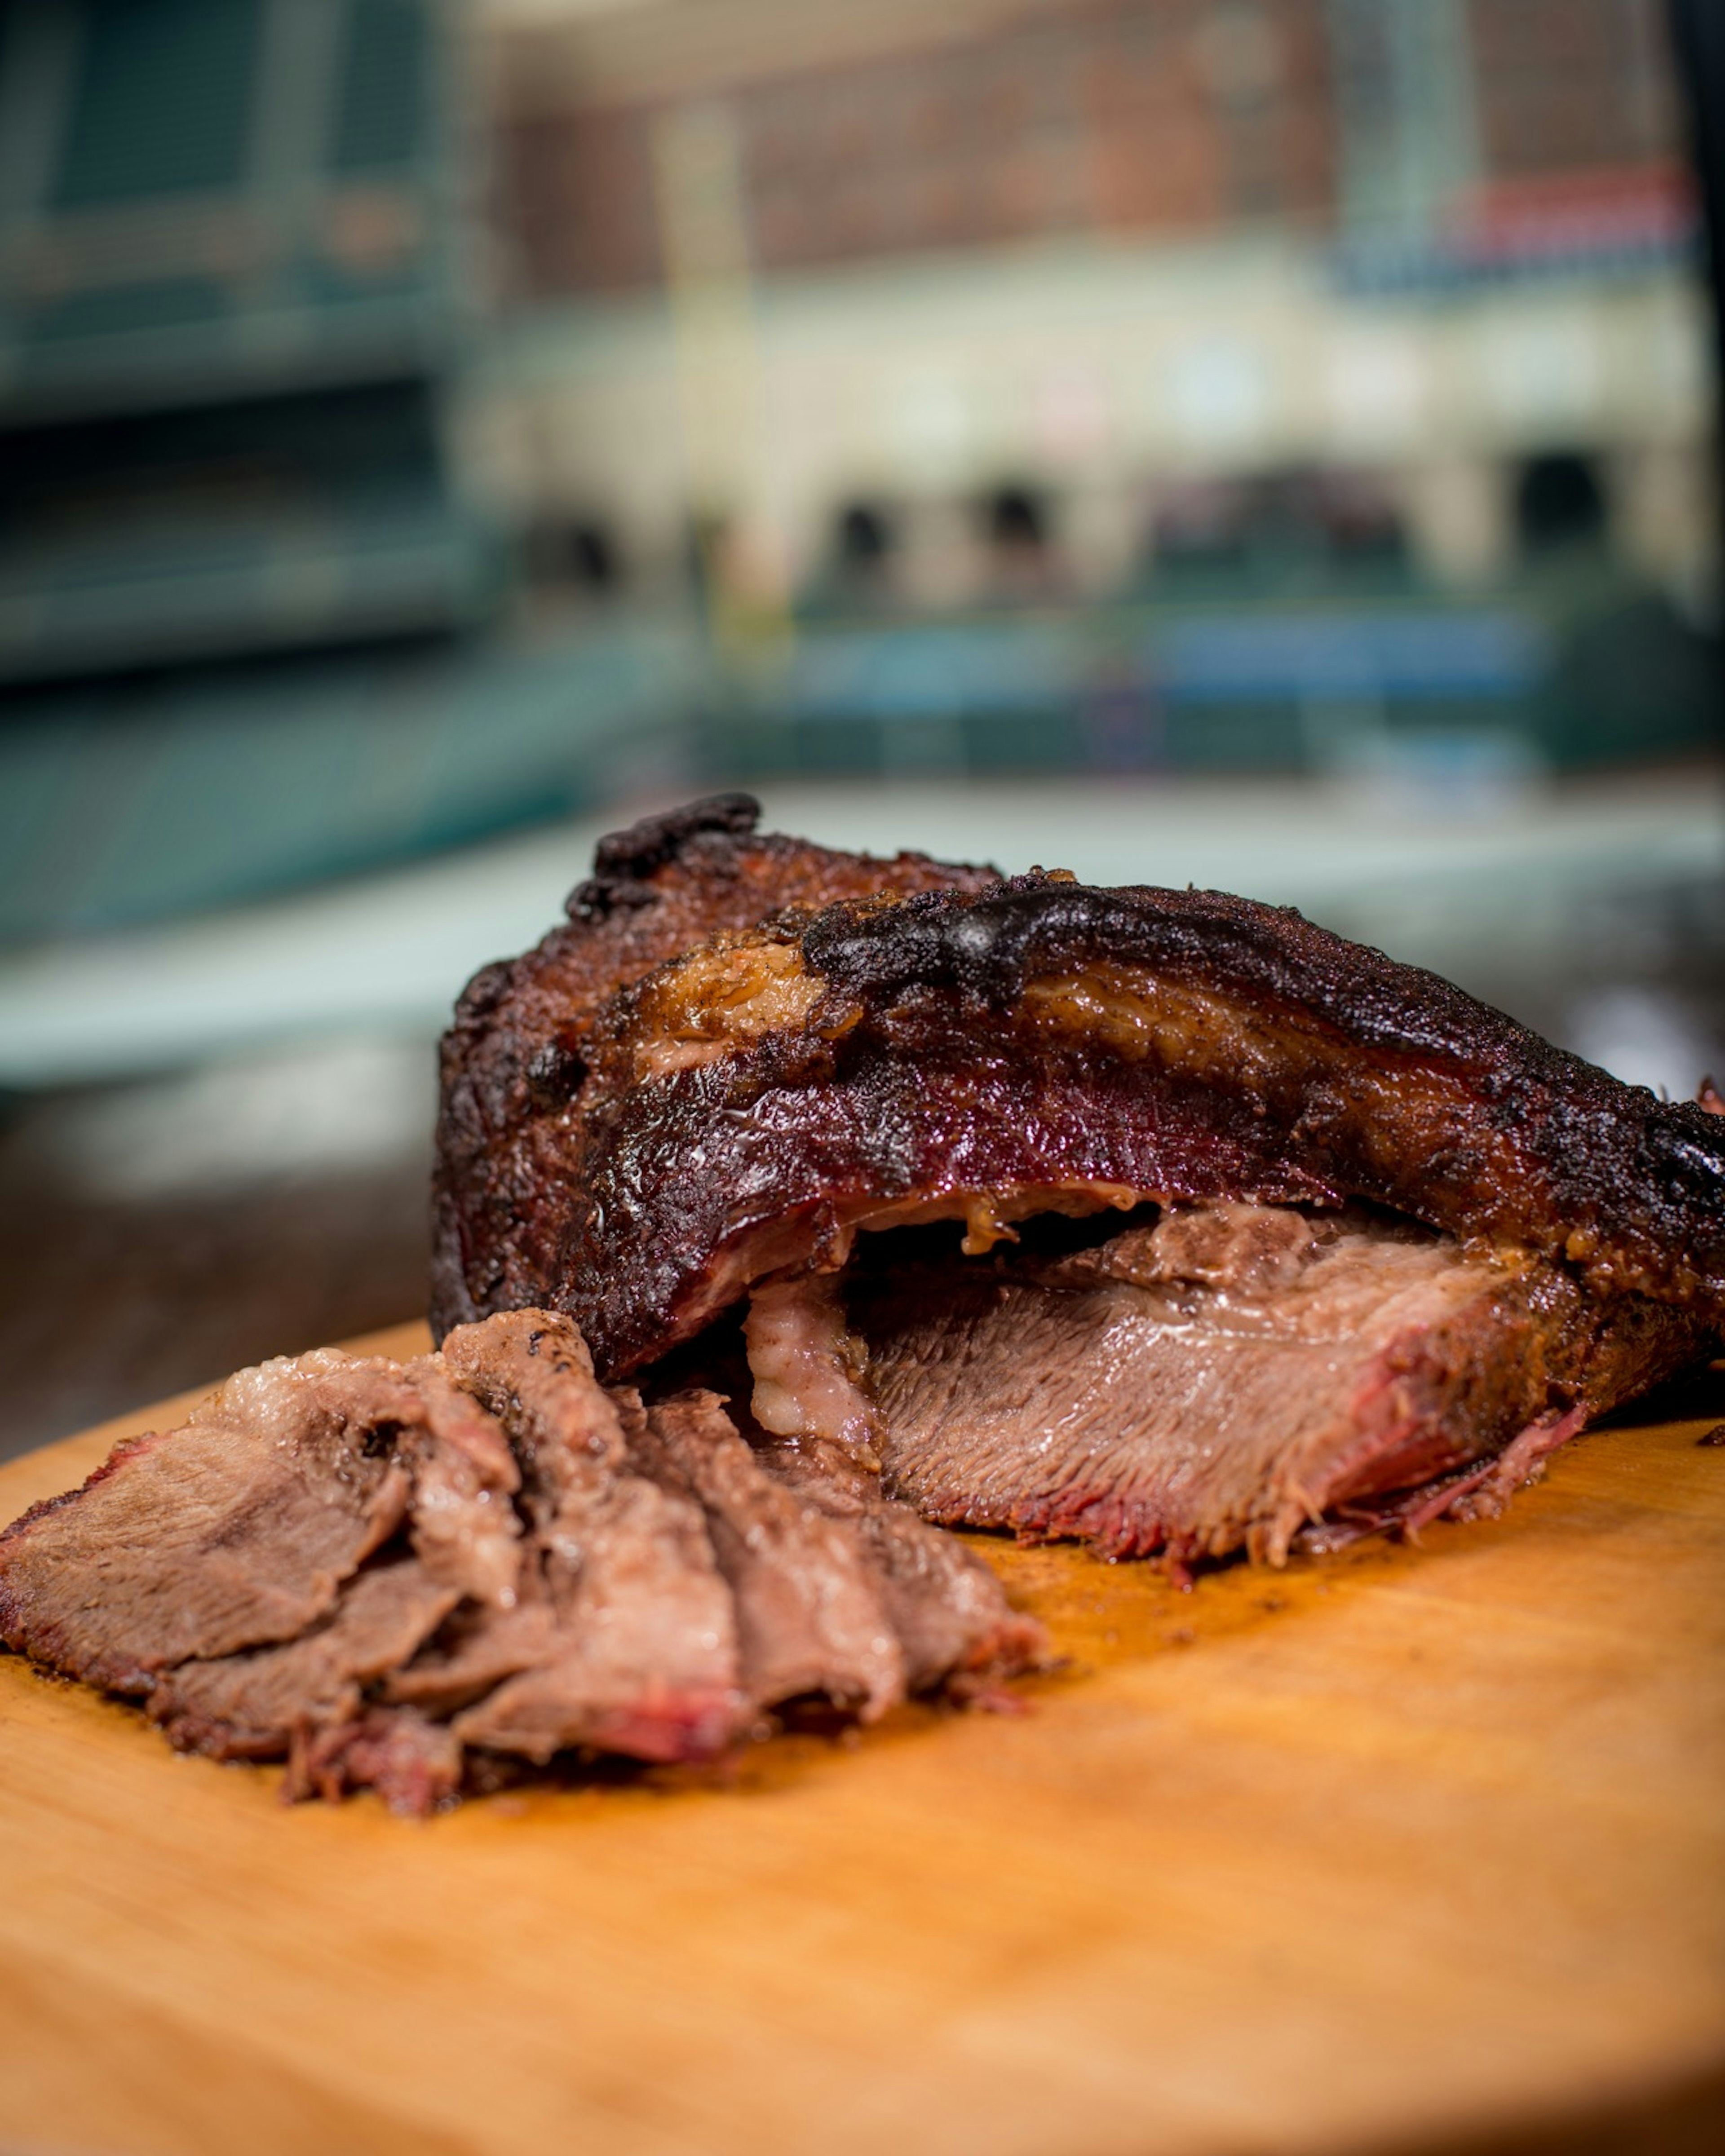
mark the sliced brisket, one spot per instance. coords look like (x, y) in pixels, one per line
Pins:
(370, 1568)
(413, 1763)
(465, 1531)
(250, 1706)
(631, 1628)
(639, 1654)
(236, 1530)
(954, 1624)
(811, 1613)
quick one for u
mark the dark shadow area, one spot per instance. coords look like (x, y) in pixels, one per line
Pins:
(1686, 2120)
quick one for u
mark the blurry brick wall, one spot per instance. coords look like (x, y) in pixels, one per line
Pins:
(575, 202)
(1096, 120)
(1106, 116)
(1134, 116)
(1572, 85)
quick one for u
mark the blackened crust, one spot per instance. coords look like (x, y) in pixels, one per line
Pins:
(623, 861)
(1035, 1039)
(1044, 1037)
(515, 1057)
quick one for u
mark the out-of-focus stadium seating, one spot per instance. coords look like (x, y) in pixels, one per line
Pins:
(229, 300)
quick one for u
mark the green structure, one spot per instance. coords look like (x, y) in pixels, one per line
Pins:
(230, 301)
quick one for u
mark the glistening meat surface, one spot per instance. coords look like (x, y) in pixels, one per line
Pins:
(236, 1530)
(811, 1617)
(634, 1634)
(1236, 1376)
(249, 1706)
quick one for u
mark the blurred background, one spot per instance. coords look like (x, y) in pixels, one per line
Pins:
(1266, 443)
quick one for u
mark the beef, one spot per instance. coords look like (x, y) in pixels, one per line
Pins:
(250, 1706)
(633, 1629)
(236, 1530)
(1402, 1248)
(680, 1587)
(465, 1531)
(1388, 1250)
(1238, 1376)
(989, 1050)
(413, 1763)
(956, 1627)
(811, 1609)
(516, 1056)
(619, 1635)
(376, 1570)
(807, 1365)
(476, 1649)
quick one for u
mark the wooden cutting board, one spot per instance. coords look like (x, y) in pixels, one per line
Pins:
(1382, 1853)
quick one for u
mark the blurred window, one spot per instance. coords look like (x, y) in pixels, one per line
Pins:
(1559, 502)
(866, 537)
(163, 102)
(1016, 519)
(384, 81)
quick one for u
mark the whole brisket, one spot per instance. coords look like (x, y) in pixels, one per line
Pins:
(742, 1051)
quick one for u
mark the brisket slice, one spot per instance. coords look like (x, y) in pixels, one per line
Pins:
(465, 1531)
(236, 1530)
(514, 1057)
(811, 1612)
(624, 1634)
(1237, 1376)
(990, 1051)
(413, 1763)
(250, 1706)
(675, 1587)
(638, 1651)
(955, 1626)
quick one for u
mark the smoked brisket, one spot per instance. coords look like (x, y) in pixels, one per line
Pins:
(638, 1148)
(380, 1572)
(670, 1108)
(515, 1060)
(1266, 1241)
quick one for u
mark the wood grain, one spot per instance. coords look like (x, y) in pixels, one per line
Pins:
(1411, 1846)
